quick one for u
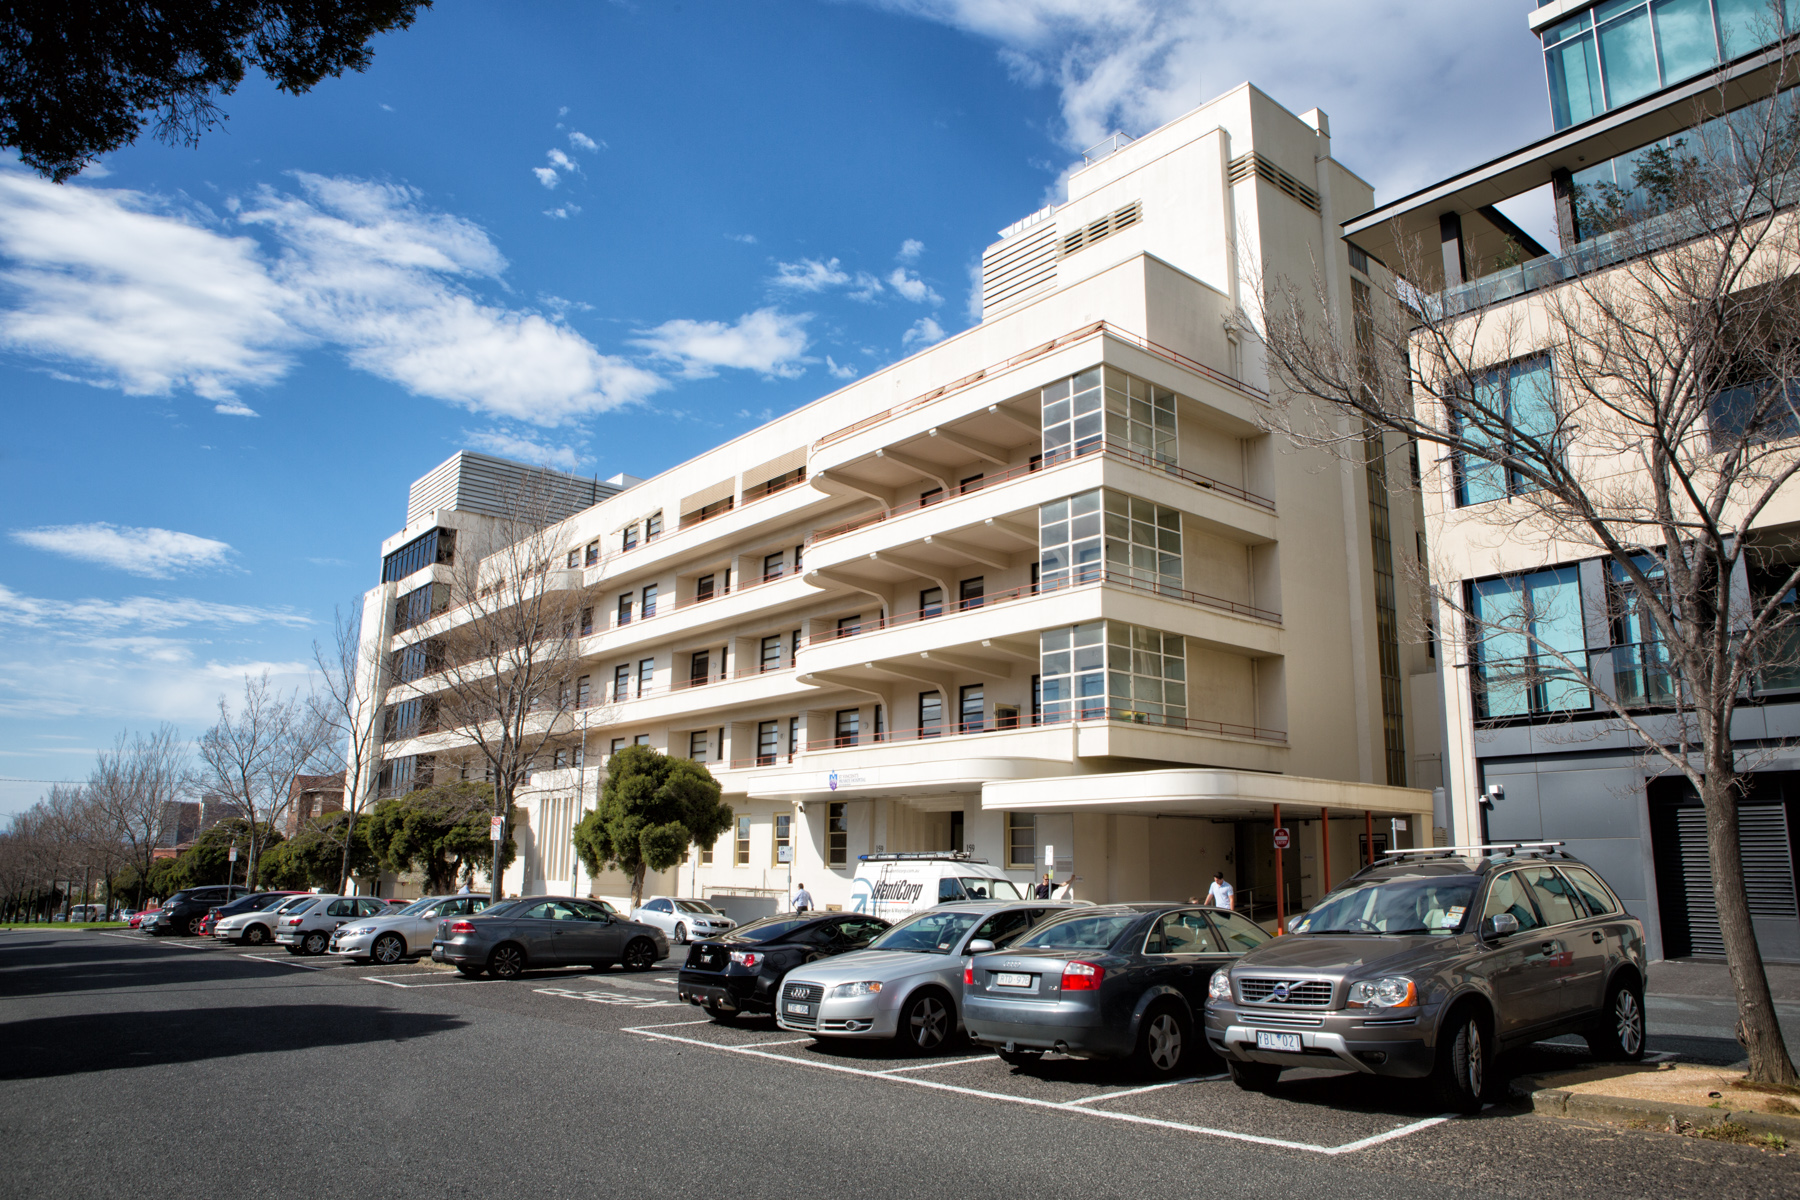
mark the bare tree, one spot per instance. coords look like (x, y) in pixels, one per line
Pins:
(1666, 447)
(504, 684)
(135, 789)
(351, 708)
(251, 758)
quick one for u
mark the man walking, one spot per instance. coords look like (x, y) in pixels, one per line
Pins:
(803, 900)
(1221, 894)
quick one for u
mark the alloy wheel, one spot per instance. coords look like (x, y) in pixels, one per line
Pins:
(1164, 1041)
(387, 950)
(929, 1021)
(640, 956)
(507, 963)
(256, 935)
(1628, 1021)
(1475, 1069)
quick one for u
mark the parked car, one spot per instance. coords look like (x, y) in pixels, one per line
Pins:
(1429, 963)
(892, 886)
(407, 932)
(742, 971)
(137, 919)
(307, 928)
(547, 931)
(679, 918)
(908, 985)
(182, 912)
(251, 919)
(1120, 981)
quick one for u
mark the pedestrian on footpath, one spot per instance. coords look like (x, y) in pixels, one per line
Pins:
(1043, 888)
(1221, 893)
(803, 900)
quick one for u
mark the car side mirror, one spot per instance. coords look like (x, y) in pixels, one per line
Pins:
(980, 946)
(1293, 921)
(1500, 925)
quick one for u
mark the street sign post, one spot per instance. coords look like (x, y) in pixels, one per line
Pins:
(497, 829)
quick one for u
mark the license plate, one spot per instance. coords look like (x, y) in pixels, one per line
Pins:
(1277, 1041)
(1008, 979)
(804, 1010)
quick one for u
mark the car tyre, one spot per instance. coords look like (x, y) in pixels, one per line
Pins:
(507, 962)
(256, 935)
(387, 950)
(470, 972)
(193, 926)
(315, 943)
(1165, 1039)
(1020, 1058)
(681, 933)
(1459, 1080)
(1254, 1076)
(1619, 1035)
(926, 1023)
(640, 955)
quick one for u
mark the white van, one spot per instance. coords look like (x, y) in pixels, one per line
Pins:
(896, 885)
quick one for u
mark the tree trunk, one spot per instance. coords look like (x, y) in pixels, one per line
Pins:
(1758, 1029)
(637, 886)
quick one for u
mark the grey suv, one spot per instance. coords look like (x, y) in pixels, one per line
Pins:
(1429, 963)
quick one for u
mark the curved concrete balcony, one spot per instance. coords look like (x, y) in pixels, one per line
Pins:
(692, 619)
(692, 697)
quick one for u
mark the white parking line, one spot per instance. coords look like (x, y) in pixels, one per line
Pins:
(280, 963)
(946, 1062)
(1129, 1118)
(148, 939)
(1151, 1087)
(446, 983)
(609, 998)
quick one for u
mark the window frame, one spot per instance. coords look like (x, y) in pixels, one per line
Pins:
(1016, 821)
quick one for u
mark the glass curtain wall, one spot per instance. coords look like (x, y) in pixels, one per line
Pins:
(1105, 405)
(1099, 669)
(1523, 396)
(1103, 530)
(1524, 627)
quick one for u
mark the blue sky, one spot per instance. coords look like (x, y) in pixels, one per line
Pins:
(604, 236)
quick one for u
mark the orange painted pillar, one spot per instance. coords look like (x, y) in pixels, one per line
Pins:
(1325, 849)
(1280, 892)
(1369, 834)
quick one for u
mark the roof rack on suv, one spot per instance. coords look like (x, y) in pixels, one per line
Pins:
(921, 856)
(1507, 848)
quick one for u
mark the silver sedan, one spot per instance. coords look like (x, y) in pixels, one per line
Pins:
(391, 937)
(908, 984)
(682, 919)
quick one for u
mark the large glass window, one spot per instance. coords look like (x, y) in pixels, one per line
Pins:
(1073, 421)
(1640, 658)
(1574, 72)
(743, 841)
(1107, 404)
(1520, 398)
(1143, 540)
(837, 834)
(434, 546)
(1133, 538)
(1525, 629)
(970, 706)
(767, 735)
(1070, 547)
(1139, 674)
(1072, 660)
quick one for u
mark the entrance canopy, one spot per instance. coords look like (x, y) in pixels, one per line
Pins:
(1200, 792)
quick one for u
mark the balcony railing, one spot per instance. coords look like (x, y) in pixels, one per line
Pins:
(607, 696)
(1078, 579)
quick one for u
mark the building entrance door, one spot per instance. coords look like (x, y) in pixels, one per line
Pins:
(1255, 863)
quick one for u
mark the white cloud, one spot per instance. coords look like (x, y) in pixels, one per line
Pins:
(910, 250)
(840, 370)
(156, 553)
(911, 287)
(561, 161)
(524, 447)
(809, 275)
(749, 239)
(563, 212)
(924, 332)
(547, 177)
(1135, 64)
(581, 141)
(235, 408)
(766, 341)
(152, 613)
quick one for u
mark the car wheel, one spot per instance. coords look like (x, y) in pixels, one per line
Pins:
(1163, 1040)
(1020, 1058)
(681, 933)
(1460, 1077)
(193, 926)
(1619, 1037)
(256, 935)
(471, 972)
(926, 1023)
(1254, 1076)
(387, 950)
(723, 1016)
(507, 962)
(315, 943)
(640, 955)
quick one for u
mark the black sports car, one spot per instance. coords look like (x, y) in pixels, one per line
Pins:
(741, 971)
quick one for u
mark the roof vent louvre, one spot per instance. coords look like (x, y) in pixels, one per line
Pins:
(1104, 227)
(1245, 165)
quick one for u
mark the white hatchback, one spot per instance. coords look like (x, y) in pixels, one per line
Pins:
(682, 919)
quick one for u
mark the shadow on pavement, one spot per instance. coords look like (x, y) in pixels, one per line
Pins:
(77, 1044)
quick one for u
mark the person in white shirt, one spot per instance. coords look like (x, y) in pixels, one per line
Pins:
(1221, 894)
(803, 900)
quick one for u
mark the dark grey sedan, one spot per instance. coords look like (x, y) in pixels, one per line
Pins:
(1124, 981)
(547, 931)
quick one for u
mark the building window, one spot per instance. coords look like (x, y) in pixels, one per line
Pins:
(1078, 415)
(849, 724)
(931, 603)
(969, 593)
(837, 834)
(1641, 677)
(648, 608)
(706, 855)
(703, 588)
(1006, 716)
(593, 553)
(617, 745)
(931, 714)
(773, 565)
(1137, 673)
(799, 556)
(435, 546)
(653, 527)
(970, 708)
(574, 557)
(794, 652)
(697, 745)
(849, 626)
(930, 496)
(1070, 547)
(420, 605)
(784, 840)
(971, 484)
(1143, 540)
(624, 610)
(628, 538)
(1515, 401)
(1021, 840)
(1073, 662)
(621, 682)
(743, 841)
(793, 736)
(1037, 699)
(642, 739)
(1523, 627)
(587, 621)
(770, 656)
(699, 667)
(583, 692)
(646, 675)
(766, 734)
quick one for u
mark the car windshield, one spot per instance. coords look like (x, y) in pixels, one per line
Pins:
(933, 932)
(418, 906)
(1092, 931)
(1431, 904)
(990, 889)
(695, 906)
(769, 929)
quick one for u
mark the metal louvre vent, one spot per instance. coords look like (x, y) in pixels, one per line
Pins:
(1104, 227)
(1245, 165)
(1768, 871)
(1017, 268)
(1295, 993)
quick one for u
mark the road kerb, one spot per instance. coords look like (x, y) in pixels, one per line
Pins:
(1585, 1106)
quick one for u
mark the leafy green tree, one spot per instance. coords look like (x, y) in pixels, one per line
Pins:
(208, 860)
(440, 831)
(78, 80)
(652, 808)
(319, 852)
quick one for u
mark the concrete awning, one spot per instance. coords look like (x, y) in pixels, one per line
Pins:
(1200, 792)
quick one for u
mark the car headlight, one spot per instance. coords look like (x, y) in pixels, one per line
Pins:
(359, 931)
(1396, 991)
(1220, 986)
(867, 987)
